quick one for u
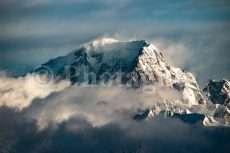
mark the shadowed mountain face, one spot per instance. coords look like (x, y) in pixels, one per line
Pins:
(98, 61)
(218, 92)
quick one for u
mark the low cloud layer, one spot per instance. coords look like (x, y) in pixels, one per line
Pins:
(59, 118)
(77, 135)
(49, 103)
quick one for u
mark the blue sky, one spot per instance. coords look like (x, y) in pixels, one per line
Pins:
(192, 34)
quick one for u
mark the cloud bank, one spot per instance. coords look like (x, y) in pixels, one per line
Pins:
(60, 118)
(77, 135)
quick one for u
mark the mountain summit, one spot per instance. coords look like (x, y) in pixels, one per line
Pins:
(140, 62)
(137, 64)
(133, 63)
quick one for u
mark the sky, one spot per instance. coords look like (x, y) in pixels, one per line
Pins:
(191, 34)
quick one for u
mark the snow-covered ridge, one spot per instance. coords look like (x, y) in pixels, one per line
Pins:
(136, 63)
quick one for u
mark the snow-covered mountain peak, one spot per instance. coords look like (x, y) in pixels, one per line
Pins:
(139, 61)
(136, 64)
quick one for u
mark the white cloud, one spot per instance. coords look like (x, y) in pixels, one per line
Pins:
(19, 92)
(50, 104)
(98, 105)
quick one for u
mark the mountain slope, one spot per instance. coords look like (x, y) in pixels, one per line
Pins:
(133, 63)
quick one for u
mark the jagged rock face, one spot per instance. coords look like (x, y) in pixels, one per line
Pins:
(221, 115)
(152, 67)
(191, 118)
(218, 92)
